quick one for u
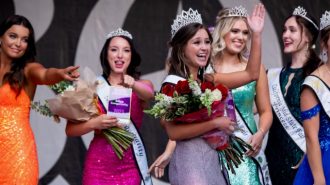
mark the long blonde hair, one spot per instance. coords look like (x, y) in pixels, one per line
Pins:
(223, 26)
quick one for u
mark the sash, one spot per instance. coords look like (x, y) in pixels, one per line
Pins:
(245, 133)
(138, 146)
(172, 79)
(288, 121)
(321, 90)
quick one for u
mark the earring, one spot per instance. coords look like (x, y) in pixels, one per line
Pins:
(324, 55)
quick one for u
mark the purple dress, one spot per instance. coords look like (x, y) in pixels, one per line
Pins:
(194, 162)
(102, 166)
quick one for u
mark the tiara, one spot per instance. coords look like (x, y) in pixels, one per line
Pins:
(325, 20)
(119, 32)
(300, 11)
(184, 19)
(237, 11)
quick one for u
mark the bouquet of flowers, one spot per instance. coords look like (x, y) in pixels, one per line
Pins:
(191, 102)
(77, 101)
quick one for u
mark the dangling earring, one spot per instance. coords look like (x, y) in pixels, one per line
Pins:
(324, 55)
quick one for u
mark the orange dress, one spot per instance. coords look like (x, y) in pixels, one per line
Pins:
(18, 155)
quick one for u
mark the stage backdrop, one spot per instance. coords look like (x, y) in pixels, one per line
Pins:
(73, 32)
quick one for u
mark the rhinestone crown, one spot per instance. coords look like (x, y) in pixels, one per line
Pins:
(300, 11)
(186, 17)
(119, 32)
(237, 11)
(325, 20)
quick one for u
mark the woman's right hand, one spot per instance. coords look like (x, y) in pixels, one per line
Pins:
(225, 124)
(159, 165)
(103, 122)
(257, 19)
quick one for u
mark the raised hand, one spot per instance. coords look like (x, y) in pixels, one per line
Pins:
(257, 18)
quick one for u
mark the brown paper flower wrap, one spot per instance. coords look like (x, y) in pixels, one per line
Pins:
(78, 102)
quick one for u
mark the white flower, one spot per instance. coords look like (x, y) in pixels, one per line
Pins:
(216, 95)
(70, 88)
(193, 85)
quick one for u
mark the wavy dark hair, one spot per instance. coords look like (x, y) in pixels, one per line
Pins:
(313, 61)
(178, 44)
(135, 59)
(15, 77)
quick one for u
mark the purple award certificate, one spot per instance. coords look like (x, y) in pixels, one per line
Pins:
(120, 103)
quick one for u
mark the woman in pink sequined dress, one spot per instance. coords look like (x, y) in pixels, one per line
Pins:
(119, 60)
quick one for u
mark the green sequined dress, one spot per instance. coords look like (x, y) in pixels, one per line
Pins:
(247, 171)
(282, 152)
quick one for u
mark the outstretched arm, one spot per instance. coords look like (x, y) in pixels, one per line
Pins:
(39, 75)
(237, 79)
(143, 88)
(308, 100)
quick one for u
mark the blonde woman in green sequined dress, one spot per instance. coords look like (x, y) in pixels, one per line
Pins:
(231, 35)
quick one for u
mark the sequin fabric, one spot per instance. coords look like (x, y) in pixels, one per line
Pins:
(304, 175)
(194, 162)
(18, 156)
(102, 166)
(282, 152)
(247, 172)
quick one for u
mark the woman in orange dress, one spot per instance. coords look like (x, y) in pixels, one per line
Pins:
(19, 76)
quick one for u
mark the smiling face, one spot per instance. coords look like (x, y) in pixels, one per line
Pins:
(14, 41)
(237, 37)
(294, 38)
(119, 55)
(197, 50)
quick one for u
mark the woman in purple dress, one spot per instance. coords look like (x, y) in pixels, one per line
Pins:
(119, 60)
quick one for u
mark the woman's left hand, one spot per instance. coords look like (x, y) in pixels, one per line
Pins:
(71, 73)
(256, 143)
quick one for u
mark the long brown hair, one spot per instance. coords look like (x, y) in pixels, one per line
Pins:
(313, 61)
(15, 77)
(178, 44)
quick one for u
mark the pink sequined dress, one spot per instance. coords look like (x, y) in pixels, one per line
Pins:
(102, 166)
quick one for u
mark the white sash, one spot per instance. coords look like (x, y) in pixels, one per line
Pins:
(288, 121)
(321, 90)
(245, 133)
(138, 147)
(172, 79)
